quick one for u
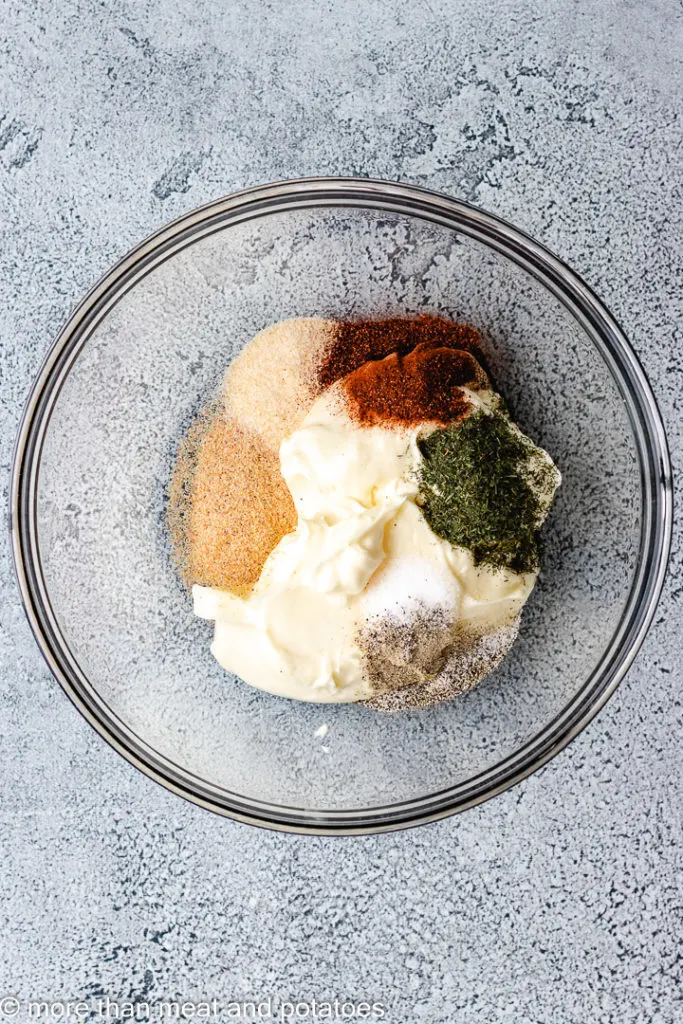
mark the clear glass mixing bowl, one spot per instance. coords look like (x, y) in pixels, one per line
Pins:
(148, 347)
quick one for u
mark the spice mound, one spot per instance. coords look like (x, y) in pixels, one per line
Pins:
(358, 515)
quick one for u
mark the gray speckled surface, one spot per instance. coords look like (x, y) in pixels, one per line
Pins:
(558, 901)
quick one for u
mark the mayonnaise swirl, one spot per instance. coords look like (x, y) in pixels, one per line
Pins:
(361, 544)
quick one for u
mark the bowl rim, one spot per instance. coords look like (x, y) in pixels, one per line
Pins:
(545, 267)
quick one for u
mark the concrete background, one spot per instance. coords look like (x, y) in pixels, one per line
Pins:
(559, 901)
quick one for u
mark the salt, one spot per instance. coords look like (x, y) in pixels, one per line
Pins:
(407, 584)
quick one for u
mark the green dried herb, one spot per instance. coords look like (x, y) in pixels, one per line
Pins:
(486, 487)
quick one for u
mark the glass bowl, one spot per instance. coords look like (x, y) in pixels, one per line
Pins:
(148, 347)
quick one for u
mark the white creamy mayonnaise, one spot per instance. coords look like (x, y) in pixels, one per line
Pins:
(361, 548)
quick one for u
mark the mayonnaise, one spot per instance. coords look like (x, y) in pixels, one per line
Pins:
(360, 549)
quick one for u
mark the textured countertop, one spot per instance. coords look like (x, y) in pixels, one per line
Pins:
(558, 902)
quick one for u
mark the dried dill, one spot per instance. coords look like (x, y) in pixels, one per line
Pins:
(486, 487)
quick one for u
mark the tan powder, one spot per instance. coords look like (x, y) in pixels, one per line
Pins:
(273, 382)
(229, 505)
